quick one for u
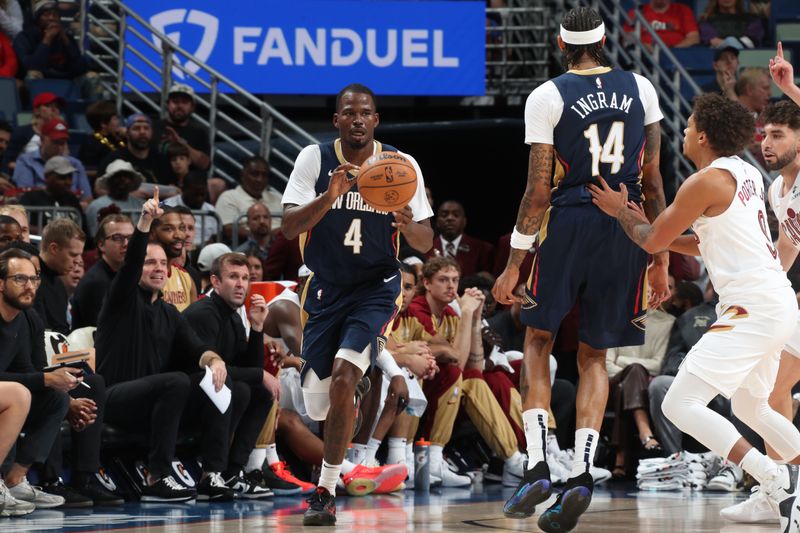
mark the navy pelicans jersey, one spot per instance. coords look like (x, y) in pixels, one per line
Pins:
(595, 121)
(353, 243)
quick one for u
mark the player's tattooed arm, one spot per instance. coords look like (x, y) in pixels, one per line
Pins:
(536, 199)
(298, 219)
(652, 185)
(635, 227)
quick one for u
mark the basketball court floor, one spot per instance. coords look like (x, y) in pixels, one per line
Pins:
(615, 508)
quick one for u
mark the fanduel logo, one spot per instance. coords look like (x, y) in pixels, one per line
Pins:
(209, 23)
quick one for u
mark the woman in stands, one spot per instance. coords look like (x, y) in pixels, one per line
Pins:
(728, 18)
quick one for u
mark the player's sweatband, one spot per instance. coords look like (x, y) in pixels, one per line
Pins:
(583, 37)
(387, 363)
(520, 241)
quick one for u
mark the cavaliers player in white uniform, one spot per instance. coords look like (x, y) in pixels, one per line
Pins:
(738, 356)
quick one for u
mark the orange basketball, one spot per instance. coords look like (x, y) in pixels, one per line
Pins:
(387, 181)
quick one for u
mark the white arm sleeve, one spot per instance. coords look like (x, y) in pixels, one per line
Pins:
(419, 204)
(649, 97)
(542, 112)
(388, 365)
(300, 188)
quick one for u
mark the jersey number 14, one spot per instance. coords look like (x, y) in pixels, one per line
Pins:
(611, 151)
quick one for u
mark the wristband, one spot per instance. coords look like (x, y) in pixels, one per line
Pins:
(387, 363)
(520, 241)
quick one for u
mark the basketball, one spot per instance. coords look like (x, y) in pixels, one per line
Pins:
(387, 181)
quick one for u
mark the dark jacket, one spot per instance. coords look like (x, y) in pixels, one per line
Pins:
(22, 350)
(52, 301)
(56, 60)
(89, 295)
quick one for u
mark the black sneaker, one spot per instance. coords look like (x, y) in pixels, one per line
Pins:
(167, 489)
(244, 488)
(213, 488)
(267, 478)
(569, 506)
(92, 488)
(321, 509)
(72, 498)
(534, 488)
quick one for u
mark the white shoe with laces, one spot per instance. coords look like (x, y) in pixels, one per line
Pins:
(730, 478)
(10, 506)
(513, 470)
(754, 510)
(443, 476)
(783, 493)
(28, 493)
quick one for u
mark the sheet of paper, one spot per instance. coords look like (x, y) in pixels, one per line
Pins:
(221, 399)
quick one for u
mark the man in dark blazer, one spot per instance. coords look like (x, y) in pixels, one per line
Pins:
(473, 255)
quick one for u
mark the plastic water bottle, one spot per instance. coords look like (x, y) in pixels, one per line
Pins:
(422, 466)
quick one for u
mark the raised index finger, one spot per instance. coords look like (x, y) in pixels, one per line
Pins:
(780, 49)
(155, 194)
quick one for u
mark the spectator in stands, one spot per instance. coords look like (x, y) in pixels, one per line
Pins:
(139, 152)
(179, 162)
(8, 58)
(62, 246)
(49, 399)
(284, 259)
(70, 281)
(107, 136)
(15, 403)
(120, 180)
(473, 255)
(10, 231)
(169, 231)
(186, 260)
(29, 171)
(139, 337)
(112, 237)
(11, 20)
(673, 22)
(208, 255)
(753, 91)
(728, 18)
(57, 192)
(193, 195)
(27, 138)
(254, 187)
(259, 239)
(726, 68)
(18, 213)
(216, 322)
(5, 136)
(46, 50)
(177, 127)
(255, 265)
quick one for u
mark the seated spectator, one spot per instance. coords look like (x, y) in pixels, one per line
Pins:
(106, 138)
(15, 403)
(254, 187)
(726, 68)
(120, 180)
(673, 22)
(193, 196)
(208, 255)
(27, 138)
(753, 91)
(169, 231)
(259, 223)
(5, 136)
(255, 265)
(71, 280)
(177, 127)
(46, 50)
(8, 58)
(18, 213)
(179, 162)
(473, 255)
(11, 20)
(29, 171)
(10, 231)
(728, 18)
(185, 261)
(139, 152)
(57, 192)
(284, 259)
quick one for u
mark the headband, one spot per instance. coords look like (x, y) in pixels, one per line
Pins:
(583, 37)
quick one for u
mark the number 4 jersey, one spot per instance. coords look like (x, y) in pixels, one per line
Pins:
(595, 121)
(353, 243)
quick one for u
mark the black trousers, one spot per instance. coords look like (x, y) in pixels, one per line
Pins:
(42, 426)
(85, 444)
(152, 405)
(252, 404)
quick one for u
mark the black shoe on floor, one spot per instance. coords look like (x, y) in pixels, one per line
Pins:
(72, 498)
(265, 477)
(213, 488)
(321, 509)
(534, 488)
(167, 489)
(571, 503)
(91, 487)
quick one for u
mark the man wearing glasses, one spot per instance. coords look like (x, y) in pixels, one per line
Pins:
(111, 238)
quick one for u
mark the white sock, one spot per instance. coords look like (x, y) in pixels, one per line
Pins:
(585, 448)
(256, 459)
(535, 422)
(759, 466)
(358, 452)
(397, 451)
(372, 449)
(435, 452)
(347, 467)
(329, 476)
(272, 454)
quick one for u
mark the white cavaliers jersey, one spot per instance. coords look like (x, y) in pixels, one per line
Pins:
(787, 209)
(736, 245)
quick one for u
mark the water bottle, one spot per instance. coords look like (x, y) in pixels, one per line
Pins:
(422, 466)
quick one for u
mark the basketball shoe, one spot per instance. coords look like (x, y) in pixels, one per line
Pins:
(569, 506)
(783, 491)
(534, 488)
(363, 480)
(321, 509)
(282, 471)
(754, 510)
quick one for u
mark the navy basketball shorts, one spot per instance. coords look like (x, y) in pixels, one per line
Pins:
(351, 318)
(584, 256)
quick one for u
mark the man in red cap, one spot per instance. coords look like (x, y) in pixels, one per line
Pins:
(26, 138)
(29, 171)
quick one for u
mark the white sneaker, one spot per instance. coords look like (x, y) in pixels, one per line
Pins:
(730, 478)
(513, 470)
(754, 510)
(783, 492)
(443, 476)
(558, 472)
(10, 506)
(599, 475)
(28, 493)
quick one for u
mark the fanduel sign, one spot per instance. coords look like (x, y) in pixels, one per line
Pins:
(317, 47)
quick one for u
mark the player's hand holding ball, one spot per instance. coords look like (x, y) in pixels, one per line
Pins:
(340, 181)
(402, 218)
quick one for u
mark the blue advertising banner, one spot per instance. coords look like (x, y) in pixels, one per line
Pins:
(318, 47)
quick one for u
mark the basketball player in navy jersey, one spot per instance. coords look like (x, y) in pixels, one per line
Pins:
(588, 122)
(351, 298)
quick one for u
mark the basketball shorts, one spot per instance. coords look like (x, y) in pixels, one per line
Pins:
(350, 318)
(584, 256)
(742, 348)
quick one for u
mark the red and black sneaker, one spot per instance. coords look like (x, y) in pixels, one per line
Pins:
(321, 509)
